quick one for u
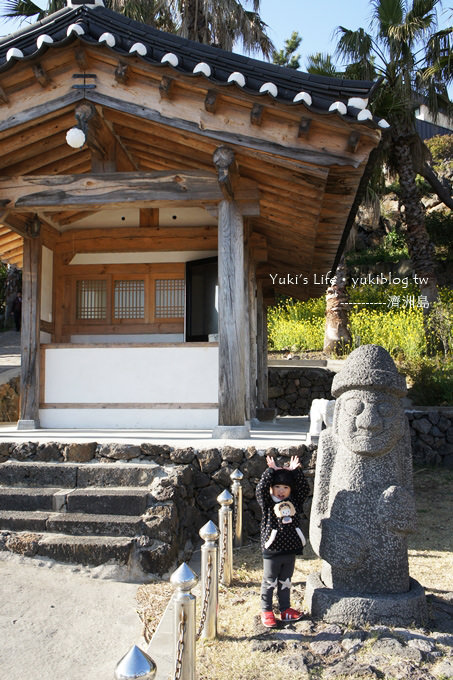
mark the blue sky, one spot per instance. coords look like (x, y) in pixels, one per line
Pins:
(315, 21)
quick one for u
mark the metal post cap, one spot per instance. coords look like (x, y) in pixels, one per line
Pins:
(236, 475)
(209, 531)
(183, 577)
(135, 664)
(225, 498)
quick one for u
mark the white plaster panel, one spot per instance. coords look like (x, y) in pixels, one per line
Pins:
(118, 339)
(131, 375)
(160, 419)
(143, 257)
(46, 284)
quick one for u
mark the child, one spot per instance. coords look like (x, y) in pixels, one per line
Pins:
(280, 493)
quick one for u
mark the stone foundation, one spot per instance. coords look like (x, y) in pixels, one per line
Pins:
(391, 609)
(191, 478)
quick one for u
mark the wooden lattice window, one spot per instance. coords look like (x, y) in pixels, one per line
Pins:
(129, 299)
(91, 299)
(169, 298)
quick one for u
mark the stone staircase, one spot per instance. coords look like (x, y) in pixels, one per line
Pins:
(83, 513)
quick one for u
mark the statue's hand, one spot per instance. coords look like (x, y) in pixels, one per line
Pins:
(341, 545)
(396, 508)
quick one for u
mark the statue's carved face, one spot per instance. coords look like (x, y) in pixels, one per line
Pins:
(368, 422)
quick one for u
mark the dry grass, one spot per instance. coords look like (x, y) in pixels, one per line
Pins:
(431, 547)
(232, 654)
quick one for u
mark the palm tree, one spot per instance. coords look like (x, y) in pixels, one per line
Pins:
(213, 22)
(397, 51)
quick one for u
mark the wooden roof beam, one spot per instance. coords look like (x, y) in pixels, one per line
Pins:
(57, 193)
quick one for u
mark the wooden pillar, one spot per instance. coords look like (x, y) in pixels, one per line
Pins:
(253, 371)
(262, 377)
(31, 303)
(231, 323)
(247, 312)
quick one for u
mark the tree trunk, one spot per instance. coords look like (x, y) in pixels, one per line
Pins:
(421, 250)
(195, 21)
(337, 335)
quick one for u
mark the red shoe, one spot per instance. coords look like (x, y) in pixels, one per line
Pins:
(268, 619)
(291, 615)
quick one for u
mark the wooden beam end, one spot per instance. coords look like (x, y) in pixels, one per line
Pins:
(256, 114)
(353, 141)
(304, 127)
(122, 73)
(165, 87)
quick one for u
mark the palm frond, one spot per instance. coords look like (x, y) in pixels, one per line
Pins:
(21, 9)
(387, 13)
(321, 64)
(354, 45)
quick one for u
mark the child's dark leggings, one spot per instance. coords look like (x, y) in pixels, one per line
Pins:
(277, 572)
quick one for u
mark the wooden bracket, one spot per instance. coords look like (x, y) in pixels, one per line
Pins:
(81, 58)
(210, 101)
(224, 161)
(304, 127)
(353, 141)
(41, 76)
(122, 73)
(256, 114)
(3, 96)
(165, 86)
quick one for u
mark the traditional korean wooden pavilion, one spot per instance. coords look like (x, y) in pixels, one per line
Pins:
(148, 245)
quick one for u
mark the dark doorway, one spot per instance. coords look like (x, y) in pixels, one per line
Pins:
(201, 299)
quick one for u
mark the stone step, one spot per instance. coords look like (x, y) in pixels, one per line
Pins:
(87, 550)
(25, 474)
(75, 524)
(23, 520)
(71, 475)
(110, 501)
(28, 499)
(80, 524)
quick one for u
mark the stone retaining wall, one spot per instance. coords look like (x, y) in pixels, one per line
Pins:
(432, 436)
(191, 478)
(291, 390)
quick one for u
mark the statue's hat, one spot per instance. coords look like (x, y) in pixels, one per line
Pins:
(369, 366)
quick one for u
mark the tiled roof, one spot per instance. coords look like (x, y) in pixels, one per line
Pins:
(95, 24)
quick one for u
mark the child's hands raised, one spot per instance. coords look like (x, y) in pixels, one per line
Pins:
(271, 463)
(294, 463)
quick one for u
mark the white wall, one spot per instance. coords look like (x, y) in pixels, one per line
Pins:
(129, 419)
(129, 378)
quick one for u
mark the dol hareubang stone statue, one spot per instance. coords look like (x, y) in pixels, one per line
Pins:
(363, 504)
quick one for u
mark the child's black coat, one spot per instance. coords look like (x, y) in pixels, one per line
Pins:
(287, 540)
